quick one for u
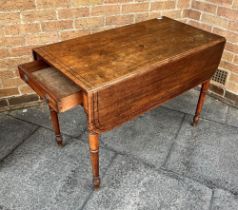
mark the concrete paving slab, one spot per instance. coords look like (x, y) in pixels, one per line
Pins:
(130, 185)
(148, 137)
(207, 153)
(12, 133)
(187, 102)
(39, 175)
(224, 200)
(72, 122)
(232, 116)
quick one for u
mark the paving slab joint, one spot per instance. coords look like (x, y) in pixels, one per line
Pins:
(32, 133)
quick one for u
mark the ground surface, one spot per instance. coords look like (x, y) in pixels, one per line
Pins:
(157, 161)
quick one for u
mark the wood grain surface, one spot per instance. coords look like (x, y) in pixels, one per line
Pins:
(126, 71)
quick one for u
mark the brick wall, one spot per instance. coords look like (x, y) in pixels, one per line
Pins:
(29, 23)
(220, 17)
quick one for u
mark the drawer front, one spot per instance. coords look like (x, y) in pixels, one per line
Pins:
(26, 70)
(67, 96)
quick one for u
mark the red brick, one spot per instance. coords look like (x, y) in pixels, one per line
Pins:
(42, 38)
(228, 13)
(8, 92)
(38, 15)
(12, 63)
(214, 20)
(233, 26)
(232, 86)
(65, 35)
(25, 89)
(236, 60)
(235, 4)
(200, 25)
(8, 5)
(229, 66)
(78, 3)
(192, 14)
(175, 14)
(116, 1)
(6, 74)
(231, 36)
(119, 20)
(2, 34)
(9, 18)
(162, 5)
(105, 10)
(89, 23)
(99, 29)
(233, 78)
(12, 82)
(211, 8)
(19, 29)
(52, 3)
(12, 41)
(221, 2)
(137, 7)
(155, 14)
(227, 56)
(20, 51)
(231, 47)
(4, 52)
(143, 16)
(183, 3)
(72, 13)
(57, 25)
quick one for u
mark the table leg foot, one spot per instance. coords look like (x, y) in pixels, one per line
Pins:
(59, 140)
(96, 182)
(195, 120)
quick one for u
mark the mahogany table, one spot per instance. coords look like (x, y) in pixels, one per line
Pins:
(127, 71)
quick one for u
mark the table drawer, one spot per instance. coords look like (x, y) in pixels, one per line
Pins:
(50, 84)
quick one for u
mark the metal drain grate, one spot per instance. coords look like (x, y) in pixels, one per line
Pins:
(220, 76)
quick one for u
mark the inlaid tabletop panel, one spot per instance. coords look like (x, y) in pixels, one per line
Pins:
(98, 60)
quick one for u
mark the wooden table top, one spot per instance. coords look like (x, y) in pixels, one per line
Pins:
(95, 61)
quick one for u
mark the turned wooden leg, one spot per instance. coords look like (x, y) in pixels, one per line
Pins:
(93, 140)
(200, 103)
(55, 125)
